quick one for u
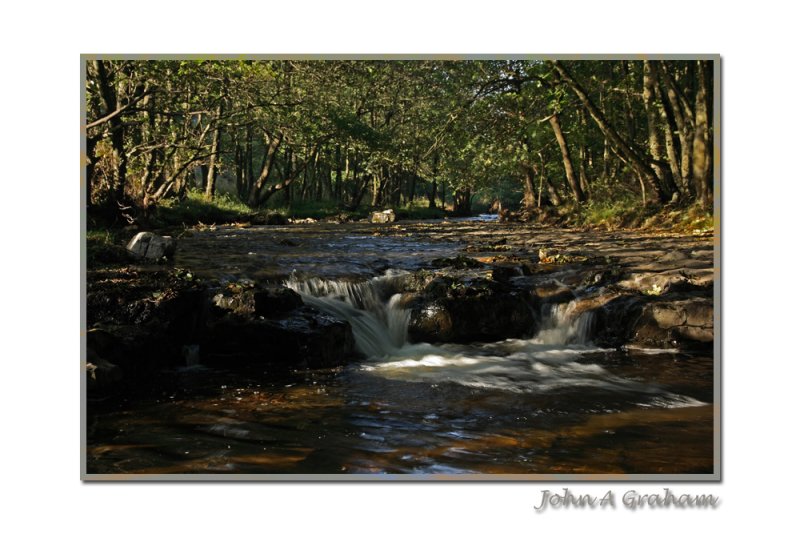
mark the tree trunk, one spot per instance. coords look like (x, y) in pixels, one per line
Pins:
(660, 167)
(292, 173)
(412, 188)
(432, 194)
(248, 162)
(701, 150)
(572, 180)
(271, 144)
(91, 168)
(108, 93)
(585, 157)
(529, 195)
(337, 191)
(642, 169)
(216, 143)
(461, 201)
(683, 118)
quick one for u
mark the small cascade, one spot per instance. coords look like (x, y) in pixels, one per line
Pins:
(373, 308)
(563, 325)
(551, 361)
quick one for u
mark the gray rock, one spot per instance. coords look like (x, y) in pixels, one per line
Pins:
(667, 316)
(695, 333)
(149, 246)
(700, 313)
(380, 217)
(102, 375)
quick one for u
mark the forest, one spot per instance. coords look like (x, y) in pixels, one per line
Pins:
(564, 141)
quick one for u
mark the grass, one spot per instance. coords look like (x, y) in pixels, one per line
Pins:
(612, 215)
(106, 247)
(196, 209)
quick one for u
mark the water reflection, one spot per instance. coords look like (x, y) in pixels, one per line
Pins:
(362, 420)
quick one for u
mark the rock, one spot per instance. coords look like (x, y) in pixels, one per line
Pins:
(459, 262)
(271, 218)
(102, 375)
(674, 256)
(553, 292)
(304, 339)
(546, 253)
(695, 333)
(149, 246)
(699, 313)
(233, 300)
(381, 217)
(141, 324)
(614, 322)
(450, 310)
(684, 323)
(276, 301)
(660, 283)
(504, 273)
(667, 316)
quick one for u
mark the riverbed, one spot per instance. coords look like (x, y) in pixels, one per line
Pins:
(555, 403)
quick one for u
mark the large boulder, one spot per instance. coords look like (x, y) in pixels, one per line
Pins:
(481, 310)
(303, 339)
(656, 322)
(381, 217)
(275, 301)
(152, 247)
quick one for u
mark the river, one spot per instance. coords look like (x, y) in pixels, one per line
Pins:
(552, 404)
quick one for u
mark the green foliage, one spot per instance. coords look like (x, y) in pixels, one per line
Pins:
(196, 209)
(382, 131)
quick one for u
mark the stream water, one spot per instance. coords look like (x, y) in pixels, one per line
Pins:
(551, 404)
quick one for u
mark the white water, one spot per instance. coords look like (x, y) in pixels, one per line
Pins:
(372, 308)
(548, 362)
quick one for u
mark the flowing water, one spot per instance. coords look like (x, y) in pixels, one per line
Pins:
(551, 404)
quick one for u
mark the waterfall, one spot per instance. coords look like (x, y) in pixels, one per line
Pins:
(373, 308)
(548, 362)
(562, 325)
(375, 311)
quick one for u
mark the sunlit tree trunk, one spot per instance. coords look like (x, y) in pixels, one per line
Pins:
(701, 149)
(660, 167)
(529, 198)
(272, 143)
(216, 144)
(569, 170)
(683, 117)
